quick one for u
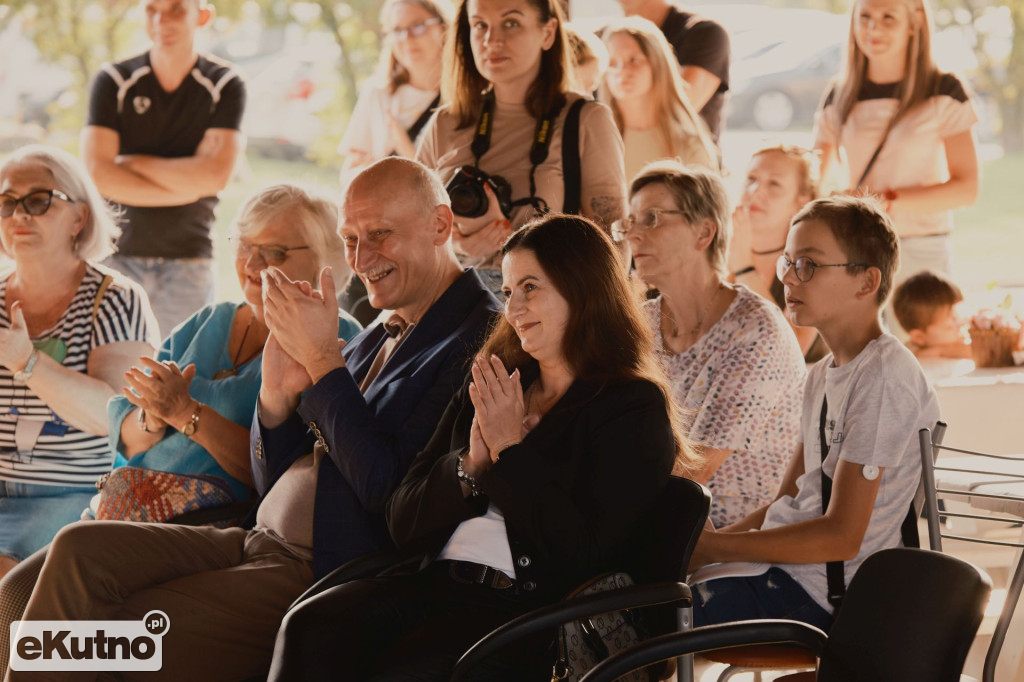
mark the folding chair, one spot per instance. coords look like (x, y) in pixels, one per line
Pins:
(993, 487)
(908, 615)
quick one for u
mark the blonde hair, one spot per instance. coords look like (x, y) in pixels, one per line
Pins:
(920, 74)
(97, 238)
(808, 166)
(313, 215)
(678, 120)
(462, 83)
(389, 70)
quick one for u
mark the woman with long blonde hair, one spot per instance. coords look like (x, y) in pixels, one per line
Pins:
(645, 91)
(902, 128)
(394, 106)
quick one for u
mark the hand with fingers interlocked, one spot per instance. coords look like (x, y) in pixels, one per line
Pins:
(162, 393)
(497, 398)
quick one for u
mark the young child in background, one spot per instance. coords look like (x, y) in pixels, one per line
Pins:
(925, 307)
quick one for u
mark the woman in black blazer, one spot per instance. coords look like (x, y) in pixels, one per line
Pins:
(532, 482)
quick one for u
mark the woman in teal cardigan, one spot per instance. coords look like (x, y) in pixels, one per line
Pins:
(189, 410)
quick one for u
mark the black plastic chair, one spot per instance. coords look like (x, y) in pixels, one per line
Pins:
(659, 561)
(909, 615)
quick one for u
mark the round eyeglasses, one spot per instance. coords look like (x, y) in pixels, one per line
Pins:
(271, 254)
(648, 219)
(397, 35)
(35, 203)
(804, 267)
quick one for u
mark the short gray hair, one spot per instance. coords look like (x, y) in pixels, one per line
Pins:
(314, 215)
(98, 237)
(699, 194)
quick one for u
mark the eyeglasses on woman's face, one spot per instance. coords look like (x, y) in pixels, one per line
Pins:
(270, 254)
(34, 203)
(804, 267)
(647, 220)
(398, 35)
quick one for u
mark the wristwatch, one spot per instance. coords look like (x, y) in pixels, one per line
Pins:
(193, 421)
(25, 373)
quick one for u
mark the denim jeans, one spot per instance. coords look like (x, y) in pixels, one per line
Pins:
(177, 287)
(773, 594)
(31, 514)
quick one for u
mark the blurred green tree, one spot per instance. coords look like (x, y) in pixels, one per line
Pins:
(79, 35)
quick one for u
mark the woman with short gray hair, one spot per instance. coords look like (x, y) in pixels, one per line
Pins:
(734, 365)
(69, 330)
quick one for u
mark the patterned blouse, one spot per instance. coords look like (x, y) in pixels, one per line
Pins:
(741, 388)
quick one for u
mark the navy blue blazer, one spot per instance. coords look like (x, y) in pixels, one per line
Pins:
(372, 438)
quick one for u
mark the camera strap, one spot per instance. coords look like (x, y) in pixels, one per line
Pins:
(538, 150)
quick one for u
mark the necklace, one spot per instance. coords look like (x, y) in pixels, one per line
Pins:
(700, 318)
(235, 364)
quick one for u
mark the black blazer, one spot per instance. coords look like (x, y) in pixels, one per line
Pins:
(572, 492)
(372, 438)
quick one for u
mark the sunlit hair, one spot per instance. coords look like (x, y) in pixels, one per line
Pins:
(585, 47)
(312, 215)
(462, 84)
(699, 194)
(920, 75)
(808, 167)
(677, 120)
(98, 236)
(393, 73)
(863, 231)
(607, 336)
(920, 298)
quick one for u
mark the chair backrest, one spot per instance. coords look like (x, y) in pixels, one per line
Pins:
(662, 550)
(990, 484)
(908, 615)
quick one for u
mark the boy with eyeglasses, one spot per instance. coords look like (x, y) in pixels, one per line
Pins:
(161, 140)
(848, 489)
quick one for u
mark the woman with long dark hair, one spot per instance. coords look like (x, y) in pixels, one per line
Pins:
(506, 91)
(532, 483)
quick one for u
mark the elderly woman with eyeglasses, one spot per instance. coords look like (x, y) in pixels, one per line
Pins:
(189, 410)
(733, 362)
(68, 331)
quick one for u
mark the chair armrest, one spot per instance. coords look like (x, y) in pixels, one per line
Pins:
(551, 616)
(368, 566)
(707, 638)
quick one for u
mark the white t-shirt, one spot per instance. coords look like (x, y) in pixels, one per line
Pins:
(482, 540)
(876, 405)
(368, 130)
(914, 154)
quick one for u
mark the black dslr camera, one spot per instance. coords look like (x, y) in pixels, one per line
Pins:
(466, 191)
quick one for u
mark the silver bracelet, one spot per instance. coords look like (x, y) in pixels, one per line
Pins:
(460, 473)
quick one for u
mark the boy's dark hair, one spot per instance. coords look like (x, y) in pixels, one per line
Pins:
(864, 232)
(921, 297)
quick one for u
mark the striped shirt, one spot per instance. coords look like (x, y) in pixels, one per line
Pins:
(36, 445)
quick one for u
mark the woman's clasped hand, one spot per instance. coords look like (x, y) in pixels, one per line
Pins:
(500, 408)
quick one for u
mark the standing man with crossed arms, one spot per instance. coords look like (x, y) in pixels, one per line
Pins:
(161, 140)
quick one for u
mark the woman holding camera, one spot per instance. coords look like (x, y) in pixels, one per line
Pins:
(498, 141)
